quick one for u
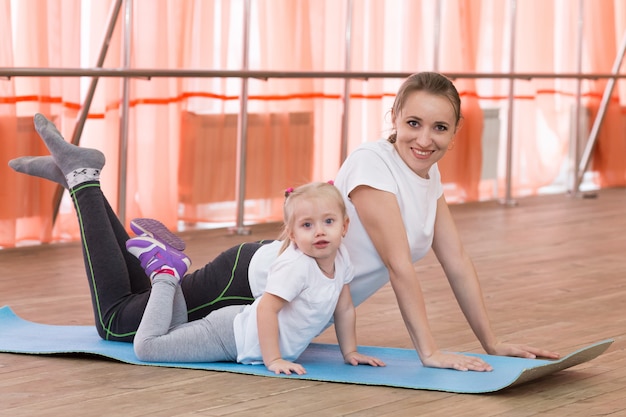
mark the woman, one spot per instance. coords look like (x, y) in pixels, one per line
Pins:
(395, 202)
(410, 215)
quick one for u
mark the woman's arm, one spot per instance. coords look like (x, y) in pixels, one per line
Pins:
(380, 215)
(345, 328)
(267, 323)
(461, 274)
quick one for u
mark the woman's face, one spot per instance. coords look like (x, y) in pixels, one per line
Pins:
(425, 128)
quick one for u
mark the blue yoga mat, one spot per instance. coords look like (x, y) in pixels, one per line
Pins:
(323, 362)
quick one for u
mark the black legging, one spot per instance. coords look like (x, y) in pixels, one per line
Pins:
(119, 285)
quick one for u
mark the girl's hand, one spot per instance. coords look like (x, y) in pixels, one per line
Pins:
(456, 361)
(355, 358)
(522, 351)
(279, 366)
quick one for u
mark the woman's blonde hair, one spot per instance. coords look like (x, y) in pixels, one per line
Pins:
(325, 190)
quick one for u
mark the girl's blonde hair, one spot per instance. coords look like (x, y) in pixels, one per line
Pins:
(312, 190)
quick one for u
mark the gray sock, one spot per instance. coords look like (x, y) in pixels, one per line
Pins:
(39, 166)
(77, 164)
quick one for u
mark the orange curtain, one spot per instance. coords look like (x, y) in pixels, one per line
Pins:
(607, 26)
(167, 163)
(43, 34)
(462, 166)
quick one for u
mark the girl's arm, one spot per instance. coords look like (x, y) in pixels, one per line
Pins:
(461, 274)
(384, 225)
(267, 323)
(345, 328)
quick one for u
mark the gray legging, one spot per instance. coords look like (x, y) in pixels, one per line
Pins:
(164, 334)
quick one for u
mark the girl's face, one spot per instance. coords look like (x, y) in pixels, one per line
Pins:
(425, 128)
(318, 227)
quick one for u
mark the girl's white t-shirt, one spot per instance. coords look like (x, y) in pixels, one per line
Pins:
(312, 298)
(378, 165)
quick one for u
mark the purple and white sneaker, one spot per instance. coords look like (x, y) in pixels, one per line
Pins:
(157, 257)
(157, 230)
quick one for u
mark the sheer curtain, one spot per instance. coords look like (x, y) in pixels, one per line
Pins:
(34, 34)
(181, 162)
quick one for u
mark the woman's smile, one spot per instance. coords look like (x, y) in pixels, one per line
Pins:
(421, 154)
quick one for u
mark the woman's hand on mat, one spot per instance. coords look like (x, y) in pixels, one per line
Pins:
(522, 351)
(456, 361)
(355, 358)
(282, 366)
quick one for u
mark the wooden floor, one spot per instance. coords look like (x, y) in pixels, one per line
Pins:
(553, 271)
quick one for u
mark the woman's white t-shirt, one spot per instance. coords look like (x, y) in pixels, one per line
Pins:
(378, 165)
(312, 299)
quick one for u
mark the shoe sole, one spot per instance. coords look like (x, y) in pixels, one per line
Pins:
(157, 230)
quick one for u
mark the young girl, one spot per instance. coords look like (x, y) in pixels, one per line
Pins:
(307, 285)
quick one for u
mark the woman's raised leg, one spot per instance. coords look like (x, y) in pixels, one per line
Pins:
(118, 284)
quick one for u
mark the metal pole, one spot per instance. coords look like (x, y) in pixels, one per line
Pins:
(148, 73)
(242, 131)
(123, 149)
(84, 109)
(597, 123)
(508, 200)
(437, 35)
(575, 141)
(346, 86)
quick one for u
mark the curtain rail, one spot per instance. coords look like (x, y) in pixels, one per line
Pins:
(8, 73)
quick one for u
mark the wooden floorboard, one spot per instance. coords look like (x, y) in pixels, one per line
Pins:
(553, 271)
